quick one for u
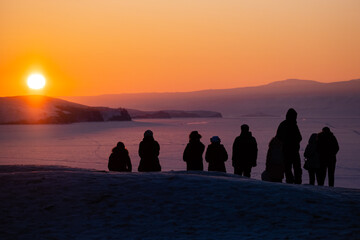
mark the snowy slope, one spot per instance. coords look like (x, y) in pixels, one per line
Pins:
(40, 202)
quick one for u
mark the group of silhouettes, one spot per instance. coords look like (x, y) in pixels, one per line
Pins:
(283, 157)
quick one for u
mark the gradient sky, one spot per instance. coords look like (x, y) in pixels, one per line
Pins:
(93, 47)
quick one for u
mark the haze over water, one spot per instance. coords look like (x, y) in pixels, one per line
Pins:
(88, 145)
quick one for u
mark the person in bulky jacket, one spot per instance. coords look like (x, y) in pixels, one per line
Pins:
(216, 155)
(119, 159)
(149, 151)
(328, 147)
(244, 153)
(312, 161)
(193, 153)
(274, 170)
(289, 134)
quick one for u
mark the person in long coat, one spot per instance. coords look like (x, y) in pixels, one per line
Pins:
(312, 161)
(289, 134)
(328, 148)
(274, 170)
(216, 155)
(119, 159)
(244, 153)
(149, 151)
(193, 153)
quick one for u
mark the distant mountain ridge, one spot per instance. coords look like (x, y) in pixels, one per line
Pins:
(309, 98)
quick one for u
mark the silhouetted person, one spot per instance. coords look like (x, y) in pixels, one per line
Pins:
(312, 161)
(119, 159)
(216, 155)
(149, 150)
(328, 147)
(193, 153)
(275, 168)
(288, 133)
(244, 153)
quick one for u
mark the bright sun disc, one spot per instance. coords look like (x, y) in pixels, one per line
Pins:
(36, 81)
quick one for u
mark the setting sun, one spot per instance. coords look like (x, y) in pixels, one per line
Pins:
(36, 81)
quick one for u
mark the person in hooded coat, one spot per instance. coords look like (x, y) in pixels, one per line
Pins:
(244, 153)
(193, 153)
(119, 159)
(149, 151)
(289, 134)
(312, 161)
(328, 147)
(274, 170)
(216, 155)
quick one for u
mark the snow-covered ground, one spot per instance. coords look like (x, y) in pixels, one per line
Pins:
(49, 202)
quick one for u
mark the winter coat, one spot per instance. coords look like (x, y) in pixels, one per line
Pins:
(327, 147)
(275, 160)
(149, 150)
(119, 160)
(289, 134)
(216, 156)
(193, 155)
(311, 153)
(244, 150)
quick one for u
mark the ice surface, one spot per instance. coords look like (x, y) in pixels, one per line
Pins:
(88, 145)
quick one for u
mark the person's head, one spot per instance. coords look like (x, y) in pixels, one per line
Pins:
(313, 138)
(244, 128)
(215, 139)
(148, 133)
(120, 145)
(194, 135)
(326, 130)
(291, 115)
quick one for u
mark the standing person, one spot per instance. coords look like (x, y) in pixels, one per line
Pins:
(328, 147)
(312, 161)
(289, 134)
(274, 170)
(119, 159)
(216, 155)
(193, 153)
(244, 153)
(149, 150)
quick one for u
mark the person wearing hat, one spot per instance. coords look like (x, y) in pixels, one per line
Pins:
(244, 153)
(328, 147)
(119, 159)
(149, 151)
(216, 155)
(193, 153)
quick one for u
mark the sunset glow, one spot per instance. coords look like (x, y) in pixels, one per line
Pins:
(101, 47)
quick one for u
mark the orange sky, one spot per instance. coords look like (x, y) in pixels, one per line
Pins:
(93, 47)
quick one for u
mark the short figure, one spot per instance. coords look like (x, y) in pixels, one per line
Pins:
(149, 151)
(274, 170)
(216, 155)
(193, 153)
(244, 153)
(119, 159)
(289, 134)
(312, 161)
(327, 147)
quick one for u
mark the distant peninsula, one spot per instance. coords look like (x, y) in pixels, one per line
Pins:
(37, 109)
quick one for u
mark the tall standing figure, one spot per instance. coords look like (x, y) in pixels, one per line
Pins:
(328, 147)
(149, 150)
(119, 159)
(289, 134)
(244, 153)
(193, 153)
(216, 155)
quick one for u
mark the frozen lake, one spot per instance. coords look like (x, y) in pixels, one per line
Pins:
(88, 145)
